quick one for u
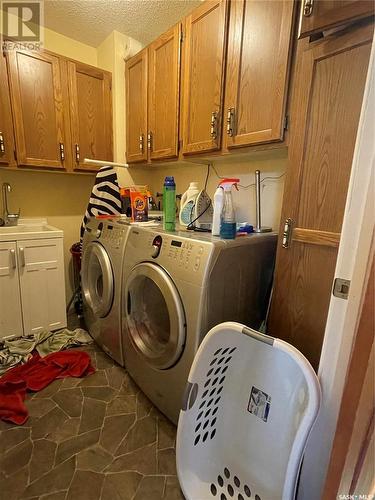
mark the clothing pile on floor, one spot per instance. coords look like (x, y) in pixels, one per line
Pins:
(35, 375)
(14, 351)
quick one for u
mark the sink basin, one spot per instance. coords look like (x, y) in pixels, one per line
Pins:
(29, 229)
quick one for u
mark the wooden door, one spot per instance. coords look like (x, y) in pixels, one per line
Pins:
(330, 79)
(39, 100)
(41, 269)
(204, 62)
(136, 107)
(317, 15)
(10, 301)
(91, 114)
(6, 121)
(257, 71)
(163, 95)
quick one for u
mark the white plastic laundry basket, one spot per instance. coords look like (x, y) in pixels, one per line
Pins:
(248, 408)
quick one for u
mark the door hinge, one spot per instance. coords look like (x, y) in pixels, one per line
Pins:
(341, 288)
(286, 122)
(181, 36)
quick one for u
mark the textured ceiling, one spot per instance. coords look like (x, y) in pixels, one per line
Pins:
(91, 21)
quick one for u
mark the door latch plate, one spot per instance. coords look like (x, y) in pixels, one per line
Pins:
(341, 288)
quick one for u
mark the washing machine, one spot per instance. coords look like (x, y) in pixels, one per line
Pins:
(102, 260)
(176, 287)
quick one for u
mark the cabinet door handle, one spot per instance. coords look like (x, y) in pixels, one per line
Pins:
(62, 151)
(141, 143)
(149, 140)
(77, 153)
(2, 143)
(230, 122)
(13, 258)
(213, 130)
(287, 233)
(21, 253)
(308, 8)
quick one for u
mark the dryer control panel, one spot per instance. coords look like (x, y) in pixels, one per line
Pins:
(185, 257)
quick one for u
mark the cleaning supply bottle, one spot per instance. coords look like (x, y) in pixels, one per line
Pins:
(219, 203)
(169, 203)
(187, 204)
(218, 208)
(228, 216)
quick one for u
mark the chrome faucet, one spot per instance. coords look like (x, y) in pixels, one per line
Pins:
(9, 218)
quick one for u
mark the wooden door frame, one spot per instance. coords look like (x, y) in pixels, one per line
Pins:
(343, 315)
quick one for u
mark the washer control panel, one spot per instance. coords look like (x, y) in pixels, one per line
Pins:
(112, 235)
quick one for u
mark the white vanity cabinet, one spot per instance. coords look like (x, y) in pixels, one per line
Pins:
(10, 298)
(32, 284)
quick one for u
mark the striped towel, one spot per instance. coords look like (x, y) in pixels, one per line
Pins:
(105, 197)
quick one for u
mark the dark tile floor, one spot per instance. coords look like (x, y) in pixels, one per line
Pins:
(92, 438)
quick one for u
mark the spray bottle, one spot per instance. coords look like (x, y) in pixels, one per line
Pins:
(228, 215)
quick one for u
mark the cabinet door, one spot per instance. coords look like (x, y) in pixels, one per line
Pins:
(136, 107)
(39, 100)
(163, 95)
(257, 71)
(41, 269)
(91, 114)
(326, 105)
(10, 302)
(317, 15)
(6, 120)
(204, 60)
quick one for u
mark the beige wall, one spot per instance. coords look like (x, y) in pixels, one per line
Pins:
(61, 198)
(69, 48)
(271, 164)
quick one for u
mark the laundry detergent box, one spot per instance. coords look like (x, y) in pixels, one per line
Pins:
(134, 202)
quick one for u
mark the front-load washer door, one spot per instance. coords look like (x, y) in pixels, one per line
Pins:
(154, 315)
(97, 279)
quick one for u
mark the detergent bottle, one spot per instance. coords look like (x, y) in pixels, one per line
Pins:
(228, 215)
(188, 200)
(169, 203)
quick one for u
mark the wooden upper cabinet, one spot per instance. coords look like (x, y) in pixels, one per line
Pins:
(6, 122)
(163, 95)
(257, 71)
(136, 107)
(204, 62)
(91, 114)
(319, 15)
(41, 121)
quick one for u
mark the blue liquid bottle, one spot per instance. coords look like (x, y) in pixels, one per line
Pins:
(228, 215)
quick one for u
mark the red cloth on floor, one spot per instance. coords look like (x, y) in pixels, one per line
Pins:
(35, 375)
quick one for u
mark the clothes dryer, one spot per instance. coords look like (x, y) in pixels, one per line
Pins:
(176, 287)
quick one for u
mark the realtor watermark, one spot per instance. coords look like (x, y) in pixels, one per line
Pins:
(22, 25)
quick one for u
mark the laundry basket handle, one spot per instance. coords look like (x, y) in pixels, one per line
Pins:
(258, 336)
